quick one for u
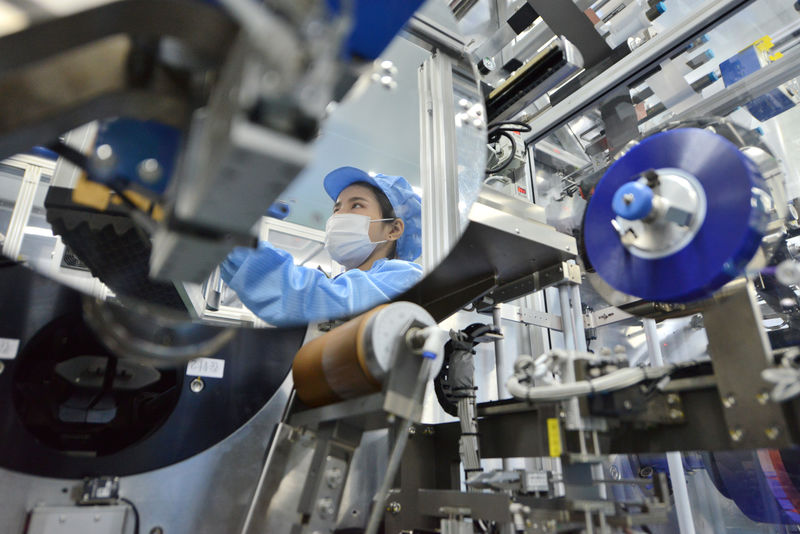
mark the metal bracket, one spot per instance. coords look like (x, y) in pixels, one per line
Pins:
(739, 351)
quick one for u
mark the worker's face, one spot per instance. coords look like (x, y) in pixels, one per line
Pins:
(362, 201)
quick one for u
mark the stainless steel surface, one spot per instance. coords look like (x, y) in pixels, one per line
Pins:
(740, 350)
(211, 490)
(423, 30)
(632, 66)
(79, 520)
(497, 248)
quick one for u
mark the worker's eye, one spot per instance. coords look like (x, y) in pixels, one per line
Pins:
(358, 205)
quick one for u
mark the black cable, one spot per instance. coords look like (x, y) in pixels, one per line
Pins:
(502, 129)
(81, 160)
(135, 514)
(510, 158)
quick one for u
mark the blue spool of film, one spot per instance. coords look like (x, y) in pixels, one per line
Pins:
(733, 226)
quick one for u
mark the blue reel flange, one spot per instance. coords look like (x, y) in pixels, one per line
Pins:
(677, 217)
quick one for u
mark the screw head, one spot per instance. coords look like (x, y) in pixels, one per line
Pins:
(729, 400)
(762, 397)
(394, 508)
(673, 398)
(412, 430)
(197, 385)
(737, 434)
(325, 508)
(334, 477)
(628, 405)
(675, 414)
(772, 432)
(628, 198)
(149, 170)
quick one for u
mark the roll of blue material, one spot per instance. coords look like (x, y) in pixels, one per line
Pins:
(734, 225)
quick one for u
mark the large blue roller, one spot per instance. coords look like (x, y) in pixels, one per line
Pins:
(733, 224)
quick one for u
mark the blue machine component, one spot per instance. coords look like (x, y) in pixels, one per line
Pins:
(132, 142)
(375, 24)
(730, 235)
(742, 65)
(278, 210)
(633, 201)
(763, 484)
(44, 152)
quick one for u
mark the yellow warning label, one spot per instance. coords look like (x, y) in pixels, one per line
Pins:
(763, 44)
(554, 436)
(775, 56)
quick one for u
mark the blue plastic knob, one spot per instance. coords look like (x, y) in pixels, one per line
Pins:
(633, 201)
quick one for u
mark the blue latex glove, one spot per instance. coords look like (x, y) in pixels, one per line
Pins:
(282, 293)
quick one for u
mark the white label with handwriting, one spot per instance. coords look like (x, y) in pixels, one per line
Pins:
(207, 367)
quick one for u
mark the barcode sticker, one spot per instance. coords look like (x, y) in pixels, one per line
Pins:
(207, 367)
(8, 348)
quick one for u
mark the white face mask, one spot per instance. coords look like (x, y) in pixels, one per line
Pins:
(347, 238)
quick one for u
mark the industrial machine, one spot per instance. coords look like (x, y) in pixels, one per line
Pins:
(606, 338)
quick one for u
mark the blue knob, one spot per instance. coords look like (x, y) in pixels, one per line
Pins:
(633, 201)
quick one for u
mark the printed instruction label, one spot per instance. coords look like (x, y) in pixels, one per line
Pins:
(206, 367)
(8, 348)
(554, 436)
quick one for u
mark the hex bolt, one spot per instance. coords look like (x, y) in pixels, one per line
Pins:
(675, 414)
(394, 507)
(762, 397)
(737, 434)
(645, 471)
(104, 159)
(673, 398)
(197, 385)
(772, 432)
(156, 530)
(334, 477)
(149, 170)
(412, 430)
(325, 508)
(628, 405)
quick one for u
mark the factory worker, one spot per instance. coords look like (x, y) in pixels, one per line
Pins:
(374, 233)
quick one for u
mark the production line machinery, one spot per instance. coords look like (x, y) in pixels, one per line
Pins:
(124, 416)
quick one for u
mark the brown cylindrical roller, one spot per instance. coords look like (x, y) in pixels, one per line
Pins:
(333, 366)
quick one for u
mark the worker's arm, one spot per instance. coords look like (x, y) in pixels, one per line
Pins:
(280, 292)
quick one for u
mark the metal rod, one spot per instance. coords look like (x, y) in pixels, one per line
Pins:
(573, 411)
(499, 353)
(577, 316)
(683, 506)
(500, 363)
(633, 66)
